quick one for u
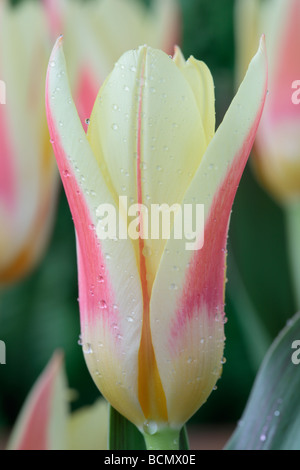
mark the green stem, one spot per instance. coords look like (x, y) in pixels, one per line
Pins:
(165, 439)
(293, 234)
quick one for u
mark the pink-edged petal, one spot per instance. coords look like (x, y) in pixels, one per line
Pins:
(109, 285)
(186, 309)
(7, 165)
(28, 170)
(42, 423)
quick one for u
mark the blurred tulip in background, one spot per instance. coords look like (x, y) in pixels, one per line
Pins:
(28, 173)
(276, 156)
(45, 422)
(277, 146)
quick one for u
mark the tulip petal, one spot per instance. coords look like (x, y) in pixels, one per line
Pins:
(31, 189)
(138, 145)
(42, 424)
(247, 33)
(200, 79)
(88, 427)
(186, 309)
(109, 285)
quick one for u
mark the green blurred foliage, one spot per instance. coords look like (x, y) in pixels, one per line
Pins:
(41, 313)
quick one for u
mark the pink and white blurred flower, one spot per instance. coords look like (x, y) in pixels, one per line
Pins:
(98, 32)
(152, 312)
(28, 173)
(277, 146)
(45, 421)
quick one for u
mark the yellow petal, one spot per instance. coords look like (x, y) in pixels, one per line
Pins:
(88, 427)
(146, 130)
(188, 292)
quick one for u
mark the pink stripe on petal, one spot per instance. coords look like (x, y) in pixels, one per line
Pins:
(35, 432)
(86, 95)
(287, 69)
(95, 290)
(205, 278)
(7, 165)
(54, 15)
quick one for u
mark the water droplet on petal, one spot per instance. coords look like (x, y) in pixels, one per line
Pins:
(173, 286)
(147, 251)
(115, 127)
(102, 304)
(150, 427)
(87, 348)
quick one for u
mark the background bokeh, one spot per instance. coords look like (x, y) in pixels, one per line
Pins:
(41, 313)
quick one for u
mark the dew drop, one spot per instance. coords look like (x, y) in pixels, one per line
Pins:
(173, 286)
(87, 121)
(263, 438)
(87, 348)
(150, 427)
(80, 340)
(66, 173)
(52, 63)
(114, 127)
(100, 279)
(129, 319)
(103, 304)
(147, 251)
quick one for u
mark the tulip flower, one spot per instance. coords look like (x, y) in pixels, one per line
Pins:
(28, 175)
(276, 156)
(277, 145)
(45, 422)
(152, 311)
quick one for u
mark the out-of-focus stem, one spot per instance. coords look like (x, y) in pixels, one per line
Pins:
(293, 234)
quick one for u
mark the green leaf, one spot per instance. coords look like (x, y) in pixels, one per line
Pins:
(123, 435)
(183, 439)
(271, 420)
